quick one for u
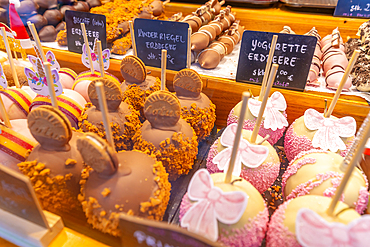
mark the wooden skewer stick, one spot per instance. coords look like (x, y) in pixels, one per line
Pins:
(50, 81)
(163, 69)
(132, 38)
(4, 114)
(10, 57)
(100, 55)
(268, 66)
(188, 59)
(87, 47)
(349, 68)
(264, 102)
(15, 55)
(32, 28)
(264, 139)
(104, 109)
(245, 98)
(351, 160)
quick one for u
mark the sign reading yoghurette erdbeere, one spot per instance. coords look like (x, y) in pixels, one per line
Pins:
(95, 29)
(293, 53)
(18, 197)
(353, 8)
(142, 232)
(151, 36)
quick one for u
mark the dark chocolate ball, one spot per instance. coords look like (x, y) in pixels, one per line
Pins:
(82, 6)
(53, 16)
(63, 2)
(61, 26)
(3, 15)
(27, 7)
(66, 7)
(48, 34)
(39, 21)
(4, 4)
(47, 4)
(93, 3)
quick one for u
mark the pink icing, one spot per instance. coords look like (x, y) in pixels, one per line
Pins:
(251, 234)
(305, 188)
(294, 144)
(278, 234)
(261, 177)
(249, 125)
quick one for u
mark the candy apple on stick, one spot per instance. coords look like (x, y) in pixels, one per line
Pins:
(315, 130)
(225, 208)
(320, 221)
(274, 120)
(107, 187)
(261, 170)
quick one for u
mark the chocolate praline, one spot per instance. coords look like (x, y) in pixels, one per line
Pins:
(94, 3)
(53, 16)
(82, 6)
(48, 34)
(4, 4)
(27, 7)
(64, 8)
(63, 2)
(39, 21)
(47, 4)
(61, 26)
(3, 15)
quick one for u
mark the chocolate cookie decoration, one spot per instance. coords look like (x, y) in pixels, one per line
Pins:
(49, 127)
(162, 109)
(112, 93)
(97, 154)
(133, 69)
(187, 83)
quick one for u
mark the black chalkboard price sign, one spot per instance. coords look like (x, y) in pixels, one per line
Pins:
(95, 28)
(18, 197)
(353, 8)
(146, 233)
(151, 36)
(293, 54)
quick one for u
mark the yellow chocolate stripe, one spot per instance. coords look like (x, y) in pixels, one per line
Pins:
(68, 106)
(21, 99)
(15, 144)
(88, 76)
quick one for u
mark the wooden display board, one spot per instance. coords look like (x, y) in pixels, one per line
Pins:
(95, 29)
(353, 8)
(22, 220)
(151, 36)
(293, 54)
(145, 233)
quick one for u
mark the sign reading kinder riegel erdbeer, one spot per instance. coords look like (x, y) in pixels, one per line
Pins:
(293, 53)
(152, 36)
